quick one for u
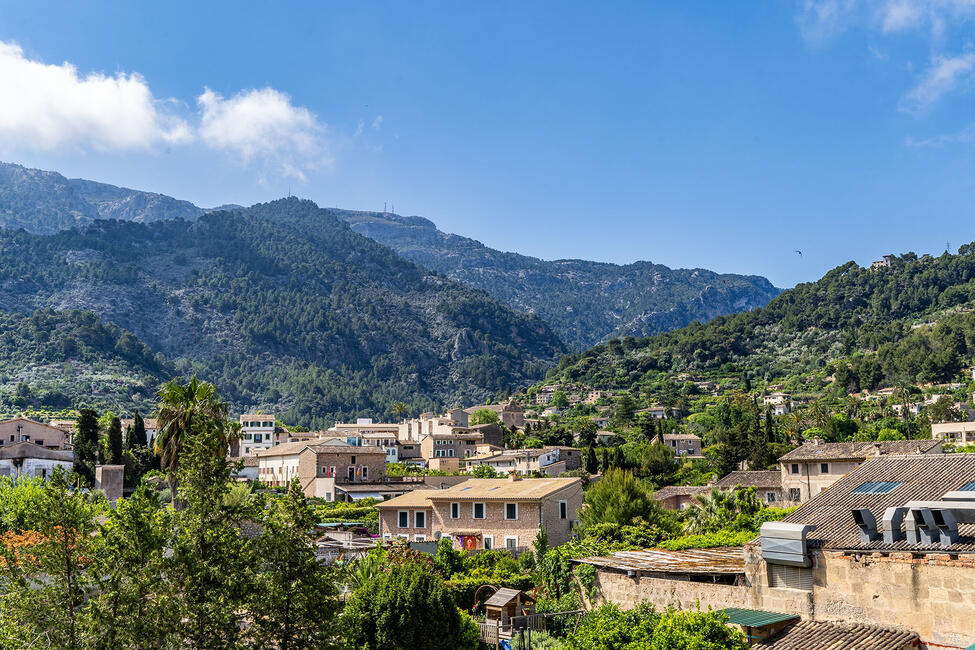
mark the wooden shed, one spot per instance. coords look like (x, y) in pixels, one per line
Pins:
(508, 603)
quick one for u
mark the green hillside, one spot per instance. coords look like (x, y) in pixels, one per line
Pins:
(908, 323)
(284, 307)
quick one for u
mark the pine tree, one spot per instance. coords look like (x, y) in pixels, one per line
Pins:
(113, 455)
(605, 465)
(86, 445)
(660, 431)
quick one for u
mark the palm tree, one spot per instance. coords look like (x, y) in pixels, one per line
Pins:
(399, 408)
(712, 509)
(185, 409)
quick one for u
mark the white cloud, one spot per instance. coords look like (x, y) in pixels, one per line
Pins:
(51, 106)
(263, 124)
(965, 136)
(377, 123)
(820, 19)
(943, 76)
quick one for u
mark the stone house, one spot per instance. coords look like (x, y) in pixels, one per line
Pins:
(781, 403)
(955, 433)
(152, 427)
(257, 432)
(447, 450)
(30, 459)
(816, 465)
(320, 466)
(22, 429)
(486, 513)
(890, 544)
(767, 484)
(550, 460)
(679, 497)
(684, 444)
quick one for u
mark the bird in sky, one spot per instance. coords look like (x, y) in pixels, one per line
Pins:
(799, 251)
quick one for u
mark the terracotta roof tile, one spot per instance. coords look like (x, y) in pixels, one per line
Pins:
(823, 635)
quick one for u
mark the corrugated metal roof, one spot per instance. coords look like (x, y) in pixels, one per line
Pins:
(701, 561)
(822, 635)
(923, 478)
(756, 617)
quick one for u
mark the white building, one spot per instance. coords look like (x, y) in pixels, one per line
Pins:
(30, 459)
(256, 432)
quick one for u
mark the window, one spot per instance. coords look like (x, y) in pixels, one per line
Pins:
(824, 468)
(365, 472)
(258, 437)
(511, 511)
(770, 497)
(794, 494)
(478, 511)
(563, 510)
(387, 536)
(404, 519)
(419, 538)
(795, 468)
(510, 542)
(352, 473)
(352, 462)
(39, 442)
(455, 511)
(488, 542)
(790, 577)
(876, 487)
(419, 519)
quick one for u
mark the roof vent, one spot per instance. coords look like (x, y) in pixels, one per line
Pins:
(785, 543)
(868, 525)
(893, 517)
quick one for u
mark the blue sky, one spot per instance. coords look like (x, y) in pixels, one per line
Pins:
(723, 135)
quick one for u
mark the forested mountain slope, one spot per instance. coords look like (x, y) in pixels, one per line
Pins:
(284, 307)
(911, 322)
(585, 302)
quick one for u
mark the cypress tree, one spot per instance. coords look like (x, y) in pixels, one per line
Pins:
(86, 445)
(605, 460)
(660, 431)
(114, 446)
(137, 434)
(592, 465)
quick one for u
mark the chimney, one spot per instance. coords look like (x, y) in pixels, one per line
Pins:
(513, 476)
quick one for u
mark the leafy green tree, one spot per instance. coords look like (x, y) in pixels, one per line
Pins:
(585, 431)
(184, 409)
(484, 471)
(658, 461)
(483, 416)
(43, 582)
(137, 434)
(559, 400)
(86, 445)
(405, 606)
(113, 446)
(129, 608)
(294, 602)
(609, 628)
(889, 434)
(618, 498)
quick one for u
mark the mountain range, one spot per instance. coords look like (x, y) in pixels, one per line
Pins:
(314, 313)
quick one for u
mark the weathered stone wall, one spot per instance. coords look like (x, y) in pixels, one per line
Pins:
(627, 592)
(933, 594)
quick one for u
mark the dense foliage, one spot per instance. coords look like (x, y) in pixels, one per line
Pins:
(906, 323)
(585, 302)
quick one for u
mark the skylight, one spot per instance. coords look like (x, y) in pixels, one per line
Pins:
(877, 487)
(968, 487)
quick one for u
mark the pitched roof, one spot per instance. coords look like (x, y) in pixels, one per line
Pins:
(858, 450)
(31, 450)
(419, 498)
(491, 489)
(503, 596)
(678, 491)
(328, 446)
(920, 478)
(824, 635)
(769, 479)
(707, 561)
(681, 436)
